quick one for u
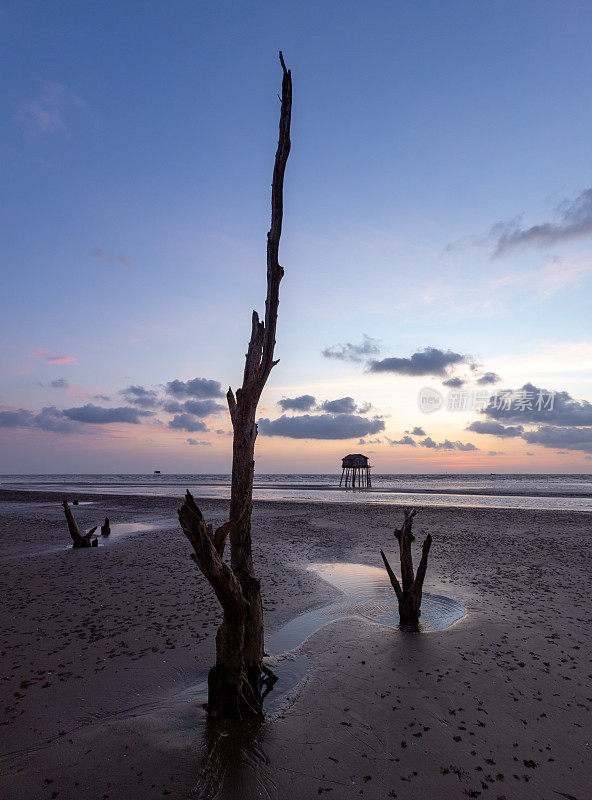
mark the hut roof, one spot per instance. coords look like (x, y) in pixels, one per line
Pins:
(355, 460)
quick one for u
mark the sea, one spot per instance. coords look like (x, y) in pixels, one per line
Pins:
(520, 491)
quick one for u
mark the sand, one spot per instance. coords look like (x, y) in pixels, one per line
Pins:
(103, 651)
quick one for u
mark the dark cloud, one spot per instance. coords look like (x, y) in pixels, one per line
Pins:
(97, 415)
(195, 442)
(16, 419)
(343, 405)
(48, 419)
(496, 429)
(353, 352)
(200, 388)
(187, 422)
(139, 396)
(417, 431)
(52, 419)
(405, 440)
(555, 436)
(172, 406)
(322, 426)
(531, 404)
(305, 402)
(199, 408)
(574, 220)
(447, 445)
(101, 397)
(454, 383)
(202, 408)
(59, 383)
(430, 361)
(488, 378)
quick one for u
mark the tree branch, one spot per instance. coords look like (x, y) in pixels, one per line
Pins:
(393, 578)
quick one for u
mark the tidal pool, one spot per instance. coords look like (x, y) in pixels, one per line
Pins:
(367, 594)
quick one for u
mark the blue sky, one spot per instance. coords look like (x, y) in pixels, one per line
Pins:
(138, 149)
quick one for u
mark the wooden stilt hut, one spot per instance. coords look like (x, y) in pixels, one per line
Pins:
(355, 471)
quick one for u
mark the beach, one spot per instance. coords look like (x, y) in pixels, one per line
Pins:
(104, 653)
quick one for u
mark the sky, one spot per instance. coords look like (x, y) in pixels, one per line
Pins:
(437, 240)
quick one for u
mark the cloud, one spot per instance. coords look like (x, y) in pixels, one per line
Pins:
(454, 383)
(97, 415)
(496, 429)
(202, 408)
(417, 431)
(343, 405)
(447, 445)
(488, 378)
(59, 383)
(195, 443)
(52, 419)
(101, 397)
(405, 440)
(532, 404)
(353, 352)
(323, 426)
(201, 388)
(199, 408)
(139, 396)
(574, 220)
(48, 419)
(555, 436)
(110, 258)
(304, 402)
(46, 112)
(187, 422)
(16, 419)
(430, 361)
(53, 359)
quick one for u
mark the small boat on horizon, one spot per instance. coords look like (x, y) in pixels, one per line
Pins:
(157, 472)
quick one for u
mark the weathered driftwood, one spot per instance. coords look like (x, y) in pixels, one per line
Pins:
(105, 527)
(79, 539)
(239, 680)
(409, 593)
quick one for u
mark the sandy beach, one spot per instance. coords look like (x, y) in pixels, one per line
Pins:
(103, 651)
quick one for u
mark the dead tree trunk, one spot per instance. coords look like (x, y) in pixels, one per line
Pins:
(236, 683)
(409, 593)
(106, 528)
(78, 539)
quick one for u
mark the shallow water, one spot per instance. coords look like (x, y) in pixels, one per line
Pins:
(542, 492)
(367, 594)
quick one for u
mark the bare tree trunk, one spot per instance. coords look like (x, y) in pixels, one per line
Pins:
(78, 539)
(236, 682)
(409, 594)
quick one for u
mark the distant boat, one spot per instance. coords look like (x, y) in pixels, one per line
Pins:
(157, 472)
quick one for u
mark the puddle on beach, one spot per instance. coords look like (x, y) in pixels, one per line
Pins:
(367, 594)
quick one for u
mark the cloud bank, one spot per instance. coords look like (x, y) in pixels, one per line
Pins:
(321, 426)
(430, 361)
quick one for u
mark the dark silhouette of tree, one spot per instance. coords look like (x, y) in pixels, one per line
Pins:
(239, 680)
(409, 593)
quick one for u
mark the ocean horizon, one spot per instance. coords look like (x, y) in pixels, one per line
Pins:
(552, 491)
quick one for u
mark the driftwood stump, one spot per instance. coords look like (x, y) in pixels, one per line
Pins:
(239, 680)
(409, 593)
(79, 539)
(105, 527)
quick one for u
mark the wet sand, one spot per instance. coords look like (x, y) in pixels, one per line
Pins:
(103, 651)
